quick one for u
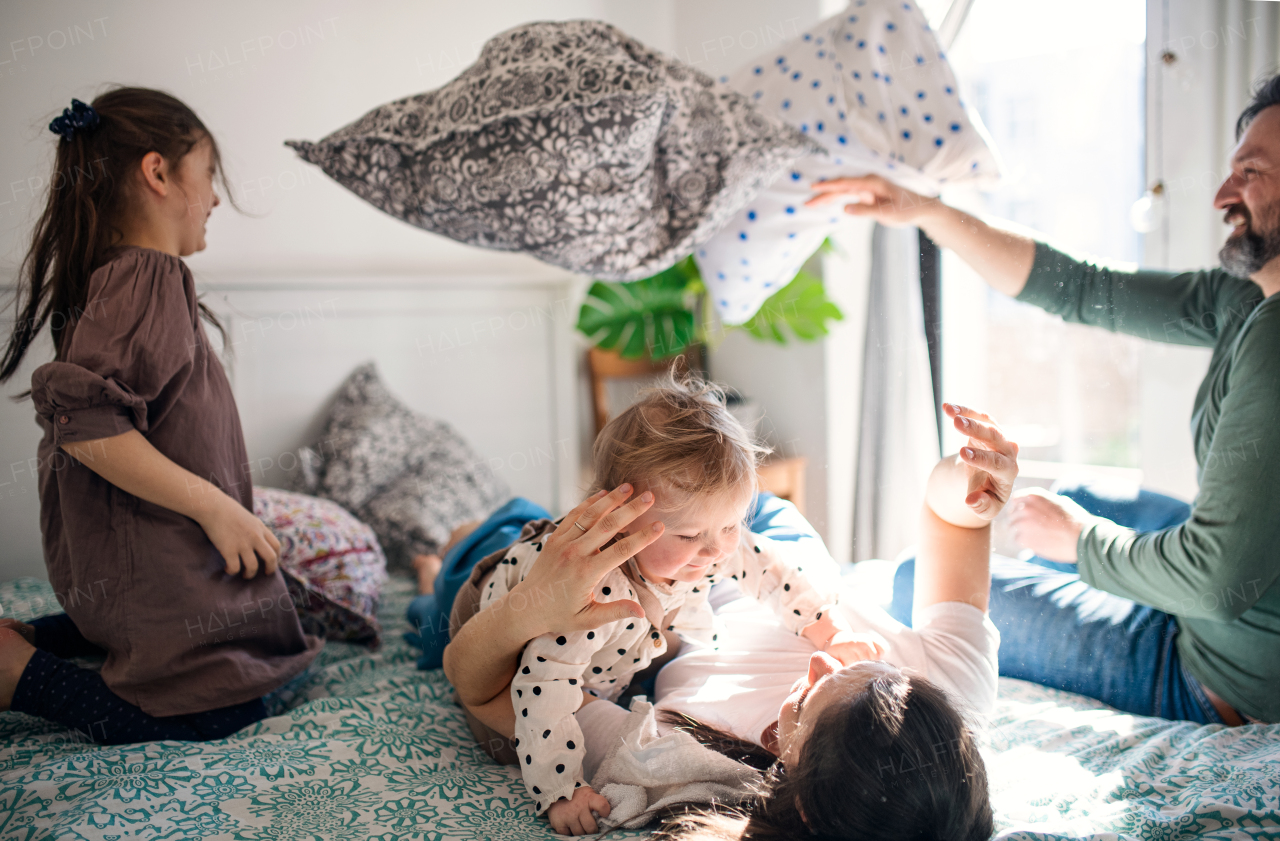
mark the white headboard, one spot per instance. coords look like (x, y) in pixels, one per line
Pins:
(494, 356)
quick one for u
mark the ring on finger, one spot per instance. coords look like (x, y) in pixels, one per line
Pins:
(580, 525)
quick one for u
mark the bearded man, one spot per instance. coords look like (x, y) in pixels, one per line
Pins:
(1155, 606)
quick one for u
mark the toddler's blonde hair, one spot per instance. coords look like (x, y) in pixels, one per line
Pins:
(681, 438)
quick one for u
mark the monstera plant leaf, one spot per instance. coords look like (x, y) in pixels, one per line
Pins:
(802, 306)
(657, 317)
(652, 317)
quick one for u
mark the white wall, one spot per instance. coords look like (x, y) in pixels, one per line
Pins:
(811, 392)
(260, 73)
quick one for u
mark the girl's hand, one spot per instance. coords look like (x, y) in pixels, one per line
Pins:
(1048, 524)
(873, 196)
(850, 648)
(241, 538)
(560, 588)
(573, 817)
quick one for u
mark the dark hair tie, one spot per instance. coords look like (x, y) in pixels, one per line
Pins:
(78, 116)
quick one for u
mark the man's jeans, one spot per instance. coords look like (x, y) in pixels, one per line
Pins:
(1057, 631)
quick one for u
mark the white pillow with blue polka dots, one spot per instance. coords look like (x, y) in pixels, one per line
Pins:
(873, 87)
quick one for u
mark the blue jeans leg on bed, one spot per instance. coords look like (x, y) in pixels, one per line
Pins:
(1058, 631)
(429, 614)
(62, 692)
(1135, 508)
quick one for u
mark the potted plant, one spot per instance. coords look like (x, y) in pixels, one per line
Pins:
(660, 317)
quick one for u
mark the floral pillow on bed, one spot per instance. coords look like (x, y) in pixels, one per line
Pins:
(331, 562)
(569, 141)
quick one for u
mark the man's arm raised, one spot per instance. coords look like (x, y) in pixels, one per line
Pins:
(1003, 258)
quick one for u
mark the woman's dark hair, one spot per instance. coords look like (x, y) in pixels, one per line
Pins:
(1265, 94)
(92, 177)
(897, 763)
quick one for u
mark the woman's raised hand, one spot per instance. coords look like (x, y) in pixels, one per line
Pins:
(556, 595)
(990, 461)
(559, 590)
(871, 195)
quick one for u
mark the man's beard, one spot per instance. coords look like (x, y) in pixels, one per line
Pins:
(1246, 253)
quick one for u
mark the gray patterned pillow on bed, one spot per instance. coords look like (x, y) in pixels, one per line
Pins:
(411, 478)
(569, 141)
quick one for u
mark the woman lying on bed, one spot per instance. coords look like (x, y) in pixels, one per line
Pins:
(895, 757)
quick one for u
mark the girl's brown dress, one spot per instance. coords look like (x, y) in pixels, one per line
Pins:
(138, 579)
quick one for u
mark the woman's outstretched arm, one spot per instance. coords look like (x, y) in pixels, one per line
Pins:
(964, 494)
(556, 595)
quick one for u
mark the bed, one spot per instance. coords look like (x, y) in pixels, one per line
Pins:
(364, 746)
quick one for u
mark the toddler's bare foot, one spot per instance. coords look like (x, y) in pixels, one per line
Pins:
(428, 567)
(460, 534)
(15, 653)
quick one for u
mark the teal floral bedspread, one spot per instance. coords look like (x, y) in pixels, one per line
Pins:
(364, 747)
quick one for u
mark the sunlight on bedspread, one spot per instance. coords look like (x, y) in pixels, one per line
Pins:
(365, 747)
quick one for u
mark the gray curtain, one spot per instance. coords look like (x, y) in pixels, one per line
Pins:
(898, 430)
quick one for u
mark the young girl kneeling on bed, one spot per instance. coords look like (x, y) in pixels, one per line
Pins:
(146, 498)
(682, 449)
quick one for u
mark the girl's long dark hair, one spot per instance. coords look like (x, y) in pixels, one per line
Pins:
(88, 193)
(897, 763)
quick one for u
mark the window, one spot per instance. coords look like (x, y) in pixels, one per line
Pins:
(1059, 87)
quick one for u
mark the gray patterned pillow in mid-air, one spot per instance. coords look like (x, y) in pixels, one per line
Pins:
(569, 141)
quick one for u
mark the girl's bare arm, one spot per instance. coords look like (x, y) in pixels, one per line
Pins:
(130, 462)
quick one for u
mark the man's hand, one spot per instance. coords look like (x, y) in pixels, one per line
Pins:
(573, 817)
(1048, 524)
(871, 195)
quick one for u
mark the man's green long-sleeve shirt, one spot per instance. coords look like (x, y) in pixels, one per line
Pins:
(1216, 571)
